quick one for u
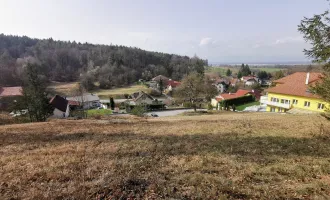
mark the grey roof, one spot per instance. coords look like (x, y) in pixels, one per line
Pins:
(59, 103)
(160, 77)
(138, 95)
(85, 98)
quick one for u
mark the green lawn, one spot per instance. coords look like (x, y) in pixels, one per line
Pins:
(223, 70)
(95, 112)
(242, 107)
(267, 69)
(117, 92)
(220, 70)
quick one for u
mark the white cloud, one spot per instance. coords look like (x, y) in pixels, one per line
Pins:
(206, 41)
(286, 40)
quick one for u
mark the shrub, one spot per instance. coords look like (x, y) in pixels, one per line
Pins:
(187, 105)
(209, 106)
(138, 110)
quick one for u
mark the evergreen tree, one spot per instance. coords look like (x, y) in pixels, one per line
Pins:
(34, 95)
(316, 31)
(228, 72)
(161, 85)
(239, 75)
(245, 70)
(262, 75)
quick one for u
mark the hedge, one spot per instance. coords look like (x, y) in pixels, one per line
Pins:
(238, 101)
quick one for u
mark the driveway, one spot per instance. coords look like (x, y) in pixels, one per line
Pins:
(167, 113)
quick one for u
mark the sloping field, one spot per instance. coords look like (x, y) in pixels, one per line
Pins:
(225, 156)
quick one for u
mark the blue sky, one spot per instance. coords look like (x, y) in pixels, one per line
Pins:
(219, 30)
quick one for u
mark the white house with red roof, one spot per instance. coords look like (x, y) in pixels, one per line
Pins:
(172, 84)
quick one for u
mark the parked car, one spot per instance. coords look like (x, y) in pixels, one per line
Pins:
(154, 115)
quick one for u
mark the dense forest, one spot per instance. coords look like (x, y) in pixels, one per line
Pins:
(109, 65)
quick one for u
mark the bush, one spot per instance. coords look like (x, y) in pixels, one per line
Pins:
(239, 101)
(209, 106)
(187, 105)
(138, 110)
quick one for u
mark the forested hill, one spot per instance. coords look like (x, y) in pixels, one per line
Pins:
(109, 65)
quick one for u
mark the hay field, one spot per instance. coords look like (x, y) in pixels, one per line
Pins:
(219, 156)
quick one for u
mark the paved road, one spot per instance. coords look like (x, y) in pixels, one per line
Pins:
(168, 113)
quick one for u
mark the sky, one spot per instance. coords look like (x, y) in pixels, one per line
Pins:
(224, 31)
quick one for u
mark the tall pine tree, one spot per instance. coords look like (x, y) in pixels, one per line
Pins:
(316, 31)
(34, 95)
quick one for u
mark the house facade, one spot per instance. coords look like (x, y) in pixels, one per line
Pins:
(87, 101)
(61, 107)
(293, 93)
(249, 80)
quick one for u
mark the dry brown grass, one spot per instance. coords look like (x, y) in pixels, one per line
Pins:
(63, 88)
(225, 156)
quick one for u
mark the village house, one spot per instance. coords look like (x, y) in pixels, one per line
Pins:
(292, 93)
(61, 107)
(171, 85)
(87, 101)
(142, 98)
(221, 84)
(8, 95)
(227, 96)
(249, 80)
(154, 83)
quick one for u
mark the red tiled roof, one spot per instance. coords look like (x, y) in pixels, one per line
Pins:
(10, 91)
(73, 103)
(245, 78)
(173, 83)
(295, 84)
(227, 96)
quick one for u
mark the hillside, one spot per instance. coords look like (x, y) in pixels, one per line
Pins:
(228, 155)
(67, 61)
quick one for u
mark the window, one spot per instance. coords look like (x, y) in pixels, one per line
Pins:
(275, 99)
(295, 101)
(320, 106)
(287, 101)
(307, 104)
(282, 100)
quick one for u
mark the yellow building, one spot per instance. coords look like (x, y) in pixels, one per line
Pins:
(293, 93)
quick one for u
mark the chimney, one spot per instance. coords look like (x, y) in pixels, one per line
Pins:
(307, 78)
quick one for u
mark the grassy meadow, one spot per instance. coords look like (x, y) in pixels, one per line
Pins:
(242, 107)
(219, 156)
(63, 88)
(121, 91)
(67, 88)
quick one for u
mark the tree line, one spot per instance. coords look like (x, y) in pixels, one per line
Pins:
(109, 65)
